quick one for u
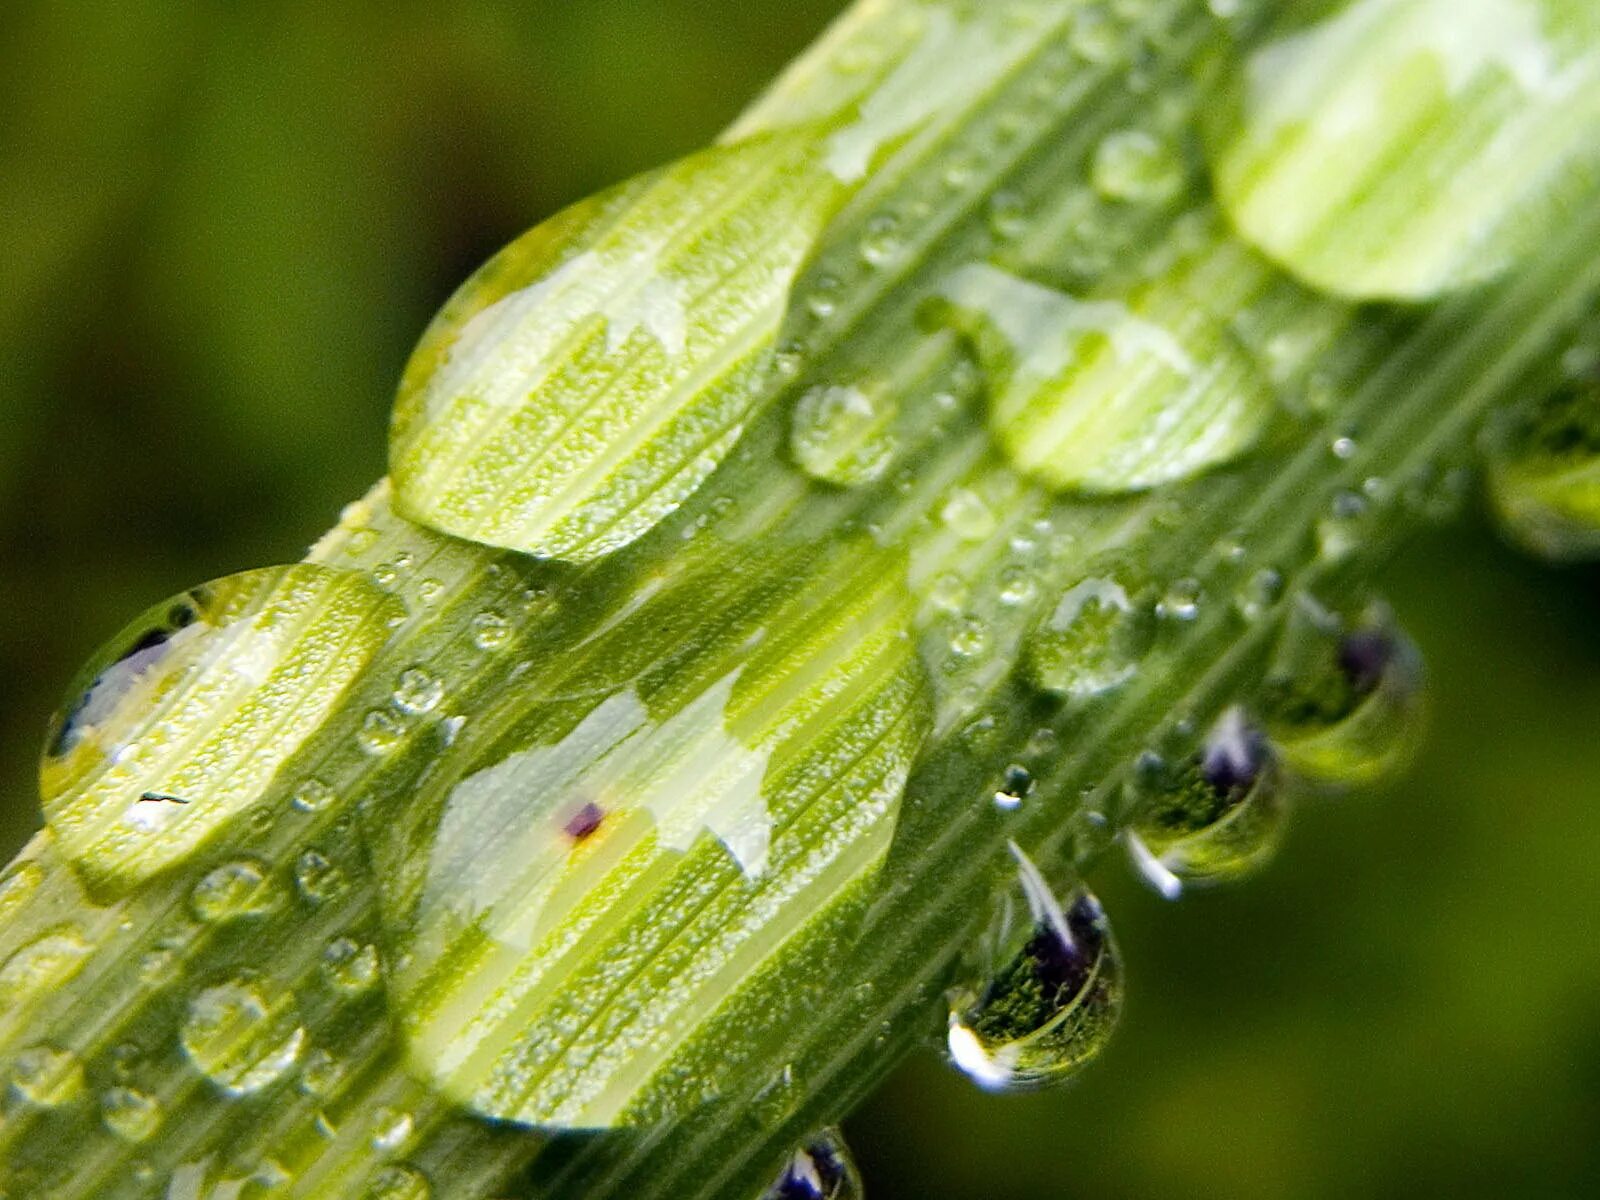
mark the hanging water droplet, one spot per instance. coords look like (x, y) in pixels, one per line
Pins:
(235, 890)
(184, 720)
(419, 691)
(352, 967)
(1344, 699)
(42, 965)
(1210, 818)
(238, 1040)
(399, 1182)
(819, 1170)
(130, 1114)
(843, 434)
(1050, 993)
(47, 1076)
(1134, 165)
(1544, 475)
(1091, 642)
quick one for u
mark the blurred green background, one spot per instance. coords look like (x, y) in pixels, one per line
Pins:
(223, 224)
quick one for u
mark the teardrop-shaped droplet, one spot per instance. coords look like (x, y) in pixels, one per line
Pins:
(1051, 994)
(657, 833)
(1403, 148)
(844, 434)
(1211, 818)
(238, 1039)
(1092, 641)
(588, 379)
(1343, 699)
(187, 715)
(819, 1170)
(1110, 393)
(1544, 476)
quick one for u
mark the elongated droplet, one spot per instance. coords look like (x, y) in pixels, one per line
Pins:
(1092, 641)
(1343, 698)
(591, 915)
(1404, 148)
(1051, 994)
(186, 716)
(1544, 476)
(1109, 393)
(1212, 818)
(820, 1170)
(591, 376)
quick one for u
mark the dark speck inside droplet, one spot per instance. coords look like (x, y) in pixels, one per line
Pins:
(584, 822)
(1364, 657)
(1061, 968)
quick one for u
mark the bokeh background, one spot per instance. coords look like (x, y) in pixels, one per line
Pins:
(223, 224)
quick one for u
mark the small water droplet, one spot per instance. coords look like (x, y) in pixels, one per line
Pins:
(233, 891)
(42, 965)
(1015, 786)
(1181, 601)
(1091, 643)
(311, 796)
(419, 691)
(882, 240)
(1017, 585)
(239, 1041)
(47, 1076)
(317, 878)
(321, 1074)
(968, 516)
(381, 732)
(392, 1128)
(1049, 994)
(130, 1114)
(352, 967)
(1136, 166)
(1258, 594)
(819, 1170)
(969, 638)
(490, 631)
(843, 435)
(1343, 448)
(399, 1182)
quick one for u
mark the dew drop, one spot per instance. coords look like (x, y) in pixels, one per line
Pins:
(381, 732)
(1016, 785)
(419, 691)
(819, 1170)
(1258, 594)
(233, 891)
(1091, 642)
(1136, 166)
(1181, 601)
(350, 966)
(239, 1041)
(882, 239)
(317, 879)
(843, 435)
(311, 796)
(399, 1182)
(321, 1074)
(1050, 993)
(392, 1128)
(130, 1114)
(1211, 818)
(968, 516)
(47, 1076)
(490, 631)
(1543, 474)
(43, 965)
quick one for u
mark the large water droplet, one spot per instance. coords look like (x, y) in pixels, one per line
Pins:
(1544, 475)
(1210, 818)
(240, 1041)
(42, 965)
(234, 890)
(187, 715)
(1050, 994)
(819, 1170)
(1344, 698)
(1091, 642)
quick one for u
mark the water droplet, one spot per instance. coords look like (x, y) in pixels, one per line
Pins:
(819, 1170)
(392, 1128)
(1181, 601)
(399, 1182)
(317, 878)
(350, 966)
(18, 883)
(130, 1114)
(183, 721)
(969, 638)
(1008, 215)
(843, 435)
(1136, 166)
(47, 1076)
(239, 1041)
(1015, 786)
(312, 796)
(42, 965)
(1343, 448)
(490, 631)
(1017, 585)
(1258, 594)
(1339, 534)
(1092, 641)
(233, 891)
(1050, 992)
(321, 1074)
(1343, 699)
(882, 240)
(1209, 818)
(1544, 475)
(967, 515)
(381, 732)
(419, 691)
